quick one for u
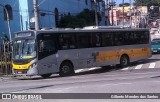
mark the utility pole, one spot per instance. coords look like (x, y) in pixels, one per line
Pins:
(112, 4)
(96, 17)
(107, 12)
(112, 12)
(35, 5)
(130, 13)
(123, 12)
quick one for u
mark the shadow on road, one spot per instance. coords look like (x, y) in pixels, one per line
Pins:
(100, 70)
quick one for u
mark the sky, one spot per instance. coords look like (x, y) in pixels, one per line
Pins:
(120, 1)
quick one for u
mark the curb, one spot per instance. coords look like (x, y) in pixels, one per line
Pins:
(6, 76)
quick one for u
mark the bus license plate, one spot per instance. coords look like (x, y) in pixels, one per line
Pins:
(19, 72)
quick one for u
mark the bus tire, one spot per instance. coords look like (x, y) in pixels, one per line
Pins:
(124, 61)
(46, 75)
(66, 69)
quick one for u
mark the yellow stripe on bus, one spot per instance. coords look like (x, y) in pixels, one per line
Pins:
(25, 66)
(116, 54)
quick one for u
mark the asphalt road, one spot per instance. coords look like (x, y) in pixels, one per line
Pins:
(140, 77)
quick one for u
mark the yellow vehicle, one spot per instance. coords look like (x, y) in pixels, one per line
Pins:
(62, 51)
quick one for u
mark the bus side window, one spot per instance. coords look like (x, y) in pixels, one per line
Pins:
(72, 41)
(131, 39)
(138, 37)
(120, 38)
(47, 45)
(67, 41)
(96, 39)
(50, 45)
(83, 40)
(143, 36)
(107, 39)
(41, 45)
(146, 37)
(125, 38)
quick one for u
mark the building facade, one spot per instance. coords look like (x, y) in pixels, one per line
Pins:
(13, 10)
(50, 11)
(129, 16)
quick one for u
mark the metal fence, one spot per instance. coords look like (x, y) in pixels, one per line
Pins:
(5, 58)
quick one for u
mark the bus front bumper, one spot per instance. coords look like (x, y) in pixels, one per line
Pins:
(25, 72)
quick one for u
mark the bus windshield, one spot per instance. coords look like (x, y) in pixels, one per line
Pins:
(155, 42)
(24, 49)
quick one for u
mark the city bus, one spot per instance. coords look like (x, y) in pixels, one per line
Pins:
(45, 52)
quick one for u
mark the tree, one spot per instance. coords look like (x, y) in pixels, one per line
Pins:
(145, 2)
(124, 4)
(69, 21)
(154, 11)
(84, 18)
(4, 37)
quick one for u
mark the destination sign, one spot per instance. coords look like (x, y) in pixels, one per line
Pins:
(23, 34)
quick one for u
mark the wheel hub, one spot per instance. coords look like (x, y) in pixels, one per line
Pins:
(65, 69)
(124, 61)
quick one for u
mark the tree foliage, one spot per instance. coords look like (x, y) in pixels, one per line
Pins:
(146, 2)
(124, 4)
(84, 18)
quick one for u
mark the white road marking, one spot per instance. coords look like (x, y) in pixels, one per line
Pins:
(92, 68)
(139, 66)
(125, 68)
(79, 70)
(116, 84)
(152, 65)
(86, 69)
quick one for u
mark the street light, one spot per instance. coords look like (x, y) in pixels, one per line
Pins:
(8, 21)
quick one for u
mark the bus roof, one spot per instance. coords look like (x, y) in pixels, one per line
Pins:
(89, 29)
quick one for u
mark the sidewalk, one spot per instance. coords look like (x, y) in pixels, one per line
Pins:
(5, 76)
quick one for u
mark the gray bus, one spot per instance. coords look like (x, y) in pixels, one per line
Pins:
(62, 51)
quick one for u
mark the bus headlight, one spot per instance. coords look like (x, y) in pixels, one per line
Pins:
(33, 65)
(32, 69)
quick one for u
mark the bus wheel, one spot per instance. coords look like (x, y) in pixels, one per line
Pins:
(124, 61)
(46, 75)
(66, 69)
